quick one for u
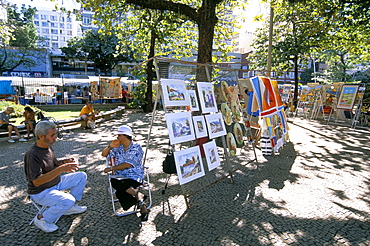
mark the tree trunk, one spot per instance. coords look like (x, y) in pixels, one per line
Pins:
(295, 98)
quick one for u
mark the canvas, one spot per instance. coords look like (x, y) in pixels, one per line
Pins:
(174, 93)
(200, 126)
(180, 127)
(194, 106)
(207, 97)
(212, 157)
(189, 164)
(215, 125)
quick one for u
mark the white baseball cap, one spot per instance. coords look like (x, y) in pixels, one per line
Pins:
(125, 130)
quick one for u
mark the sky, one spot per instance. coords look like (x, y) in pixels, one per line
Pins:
(68, 4)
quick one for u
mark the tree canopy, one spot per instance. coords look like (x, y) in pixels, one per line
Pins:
(103, 49)
(18, 45)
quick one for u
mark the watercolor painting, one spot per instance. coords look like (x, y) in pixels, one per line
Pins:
(212, 157)
(189, 164)
(180, 127)
(174, 93)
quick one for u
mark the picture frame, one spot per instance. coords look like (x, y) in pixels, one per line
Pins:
(189, 165)
(207, 97)
(212, 157)
(174, 93)
(347, 97)
(180, 127)
(200, 126)
(215, 125)
(194, 105)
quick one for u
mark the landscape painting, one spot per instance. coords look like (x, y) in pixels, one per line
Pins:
(174, 93)
(194, 106)
(200, 126)
(180, 127)
(215, 125)
(347, 97)
(207, 97)
(189, 164)
(213, 159)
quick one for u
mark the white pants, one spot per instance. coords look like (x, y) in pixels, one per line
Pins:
(59, 201)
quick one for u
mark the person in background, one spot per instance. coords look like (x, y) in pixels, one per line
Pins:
(29, 120)
(45, 183)
(88, 115)
(59, 97)
(5, 124)
(65, 96)
(124, 95)
(129, 163)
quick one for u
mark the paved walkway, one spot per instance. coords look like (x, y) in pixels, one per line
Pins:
(315, 192)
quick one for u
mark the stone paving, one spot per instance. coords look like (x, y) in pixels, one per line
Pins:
(314, 192)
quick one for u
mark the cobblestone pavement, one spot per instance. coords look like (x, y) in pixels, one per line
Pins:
(315, 192)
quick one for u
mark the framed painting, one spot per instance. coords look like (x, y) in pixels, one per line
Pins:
(215, 125)
(200, 126)
(194, 106)
(180, 127)
(207, 97)
(174, 93)
(347, 97)
(212, 157)
(189, 164)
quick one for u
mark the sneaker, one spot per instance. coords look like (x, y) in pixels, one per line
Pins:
(22, 140)
(45, 226)
(11, 141)
(76, 210)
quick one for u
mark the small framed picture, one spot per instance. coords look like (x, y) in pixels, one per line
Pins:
(189, 164)
(194, 106)
(200, 126)
(213, 159)
(347, 97)
(215, 125)
(180, 127)
(207, 97)
(174, 93)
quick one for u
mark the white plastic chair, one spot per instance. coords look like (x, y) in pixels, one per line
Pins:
(144, 188)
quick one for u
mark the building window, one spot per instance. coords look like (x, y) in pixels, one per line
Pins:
(36, 16)
(44, 23)
(37, 23)
(46, 36)
(63, 39)
(46, 31)
(61, 25)
(62, 18)
(69, 32)
(54, 24)
(69, 19)
(53, 18)
(69, 26)
(61, 32)
(54, 38)
(86, 20)
(54, 45)
(44, 17)
(54, 31)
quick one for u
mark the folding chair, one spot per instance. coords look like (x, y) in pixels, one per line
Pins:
(144, 188)
(39, 208)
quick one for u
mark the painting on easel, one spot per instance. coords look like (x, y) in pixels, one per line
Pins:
(347, 97)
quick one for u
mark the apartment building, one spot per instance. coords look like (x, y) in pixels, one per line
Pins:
(56, 27)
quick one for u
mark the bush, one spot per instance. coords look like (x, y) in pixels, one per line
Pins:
(18, 108)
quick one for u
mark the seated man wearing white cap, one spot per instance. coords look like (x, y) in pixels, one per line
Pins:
(5, 124)
(129, 156)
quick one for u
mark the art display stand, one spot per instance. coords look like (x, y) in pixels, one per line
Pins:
(191, 187)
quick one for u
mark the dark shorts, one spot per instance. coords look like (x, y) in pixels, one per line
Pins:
(121, 186)
(5, 126)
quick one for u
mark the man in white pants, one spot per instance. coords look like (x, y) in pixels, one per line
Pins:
(45, 182)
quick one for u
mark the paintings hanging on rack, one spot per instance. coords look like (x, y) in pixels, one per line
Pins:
(174, 93)
(200, 126)
(238, 134)
(194, 106)
(207, 97)
(189, 164)
(235, 109)
(215, 125)
(347, 97)
(226, 113)
(180, 127)
(212, 157)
